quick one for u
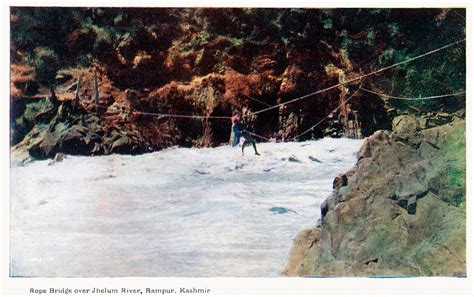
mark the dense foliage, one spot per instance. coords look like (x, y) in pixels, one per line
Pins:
(273, 55)
(369, 38)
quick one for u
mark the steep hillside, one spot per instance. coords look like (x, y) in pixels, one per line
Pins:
(217, 62)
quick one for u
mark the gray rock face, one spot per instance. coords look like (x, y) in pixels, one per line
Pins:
(401, 211)
(405, 125)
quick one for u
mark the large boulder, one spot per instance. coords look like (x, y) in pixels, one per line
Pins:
(401, 211)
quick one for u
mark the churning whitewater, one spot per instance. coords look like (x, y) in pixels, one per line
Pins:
(181, 212)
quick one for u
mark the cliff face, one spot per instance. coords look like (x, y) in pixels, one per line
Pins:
(401, 211)
(217, 62)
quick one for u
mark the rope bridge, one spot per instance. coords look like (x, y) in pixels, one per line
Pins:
(355, 79)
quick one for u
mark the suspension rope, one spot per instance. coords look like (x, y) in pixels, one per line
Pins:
(259, 101)
(413, 98)
(360, 77)
(169, 115)
(259, 136)
(326, 117)
(307, 95)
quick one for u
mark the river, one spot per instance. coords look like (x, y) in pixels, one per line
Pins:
(179, 212)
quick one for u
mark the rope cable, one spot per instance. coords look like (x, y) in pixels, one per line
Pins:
(413, 98)
(259, 101)
(163, 115)
(310, 94)
(169, 115)
(326, 117)
(360, 77)
(259, 136)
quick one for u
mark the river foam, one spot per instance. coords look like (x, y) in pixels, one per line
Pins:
(179, 212)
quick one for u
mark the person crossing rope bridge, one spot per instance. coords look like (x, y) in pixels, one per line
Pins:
(349, 81)
(239, 131)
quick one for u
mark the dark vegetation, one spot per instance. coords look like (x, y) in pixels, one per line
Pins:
(213, 62)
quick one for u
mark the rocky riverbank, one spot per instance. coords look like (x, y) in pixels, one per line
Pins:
(97, 81)
(400, 211)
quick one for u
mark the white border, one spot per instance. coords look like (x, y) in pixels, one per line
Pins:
(233, 286)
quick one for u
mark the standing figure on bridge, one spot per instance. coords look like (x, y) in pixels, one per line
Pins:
(239, 131)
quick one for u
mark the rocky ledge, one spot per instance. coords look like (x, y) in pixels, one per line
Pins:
(401, 210)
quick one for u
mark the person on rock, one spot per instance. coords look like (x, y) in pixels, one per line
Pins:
(239, 131)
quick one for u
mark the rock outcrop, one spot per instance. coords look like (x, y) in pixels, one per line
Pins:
(401, 211)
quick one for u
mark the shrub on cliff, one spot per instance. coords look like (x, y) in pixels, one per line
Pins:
(46, 63)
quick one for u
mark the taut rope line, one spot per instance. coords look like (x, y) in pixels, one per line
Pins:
(161, 115)
(360, 77)
(321, 90)
(325, 118)
(413, 98)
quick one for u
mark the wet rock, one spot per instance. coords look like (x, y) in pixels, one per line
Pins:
(59, 157)
(281, 210)
(121, 145)
(340, 181)
(294, 159)
(324, 209)
(49, 145)
(314, 159)
(76, 141)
